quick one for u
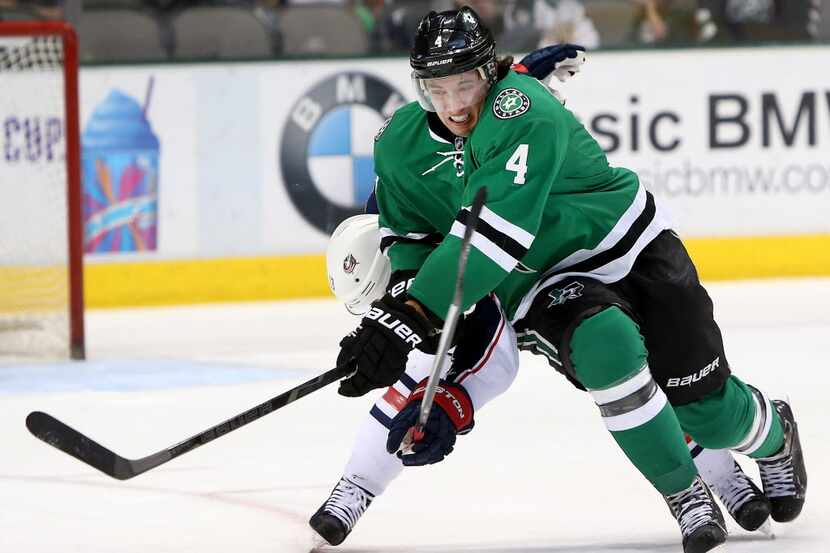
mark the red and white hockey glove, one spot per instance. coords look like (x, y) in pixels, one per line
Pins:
(451, 415)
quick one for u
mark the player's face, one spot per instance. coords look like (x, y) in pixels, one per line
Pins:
(457, 100)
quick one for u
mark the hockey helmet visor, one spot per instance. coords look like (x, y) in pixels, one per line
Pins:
(452, 93)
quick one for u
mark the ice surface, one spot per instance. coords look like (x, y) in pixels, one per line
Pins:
(538, 475)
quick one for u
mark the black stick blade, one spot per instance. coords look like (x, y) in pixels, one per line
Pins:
(70, 441)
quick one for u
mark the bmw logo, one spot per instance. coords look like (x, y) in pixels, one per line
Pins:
(326, 150)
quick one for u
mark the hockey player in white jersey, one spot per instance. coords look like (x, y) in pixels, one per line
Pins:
(358, 274)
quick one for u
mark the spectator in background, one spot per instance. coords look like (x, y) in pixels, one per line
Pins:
(758, 20)
(529, 24)
(395, 25)
(653, 26)
(391, 24)
(490, 12)
(173, 5)
(370, 13)
(266, 13)
(664, 22)
(519, 34)
(564, 21)
(38, 9)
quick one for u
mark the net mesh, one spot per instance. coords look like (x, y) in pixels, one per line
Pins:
(31, 53)
(34, 267)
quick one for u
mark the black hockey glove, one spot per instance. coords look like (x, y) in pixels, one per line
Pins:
(379, 347)
(451, 415)
(561, 59)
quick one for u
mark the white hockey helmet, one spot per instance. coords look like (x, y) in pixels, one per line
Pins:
(358, 273)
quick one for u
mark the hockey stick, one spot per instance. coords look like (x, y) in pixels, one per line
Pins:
(70, 441)
(450, 323)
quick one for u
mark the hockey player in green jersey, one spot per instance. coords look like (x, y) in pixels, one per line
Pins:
(580, 255)
(484, 359)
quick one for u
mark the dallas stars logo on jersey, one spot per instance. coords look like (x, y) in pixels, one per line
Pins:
(569, 292)
(510, 102)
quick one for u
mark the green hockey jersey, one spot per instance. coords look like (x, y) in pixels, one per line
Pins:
(555, 208)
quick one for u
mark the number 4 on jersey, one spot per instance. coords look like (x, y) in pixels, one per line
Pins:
(518, 164)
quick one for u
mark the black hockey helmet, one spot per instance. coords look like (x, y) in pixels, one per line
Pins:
(453, 42)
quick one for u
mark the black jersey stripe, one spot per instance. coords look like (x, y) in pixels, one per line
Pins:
(622, 247)
(388, 241)
(503, 241)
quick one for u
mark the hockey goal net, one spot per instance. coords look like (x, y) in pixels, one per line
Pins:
(41, 299)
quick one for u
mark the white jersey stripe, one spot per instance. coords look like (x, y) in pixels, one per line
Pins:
(401, 389)
(611, 239)
(610, 272)
(504, 226)
(488, 248)
(385, 232)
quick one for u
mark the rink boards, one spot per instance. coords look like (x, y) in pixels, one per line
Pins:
(251, 165)
(263, 278)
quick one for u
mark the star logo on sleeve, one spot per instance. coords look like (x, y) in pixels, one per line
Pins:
(510, 103)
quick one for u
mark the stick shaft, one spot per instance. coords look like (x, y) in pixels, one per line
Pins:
(451, 321)
(258, 411)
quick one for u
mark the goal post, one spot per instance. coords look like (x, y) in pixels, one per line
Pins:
(41, 230)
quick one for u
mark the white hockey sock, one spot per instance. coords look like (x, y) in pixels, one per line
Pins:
(370, 466)
(714, 465)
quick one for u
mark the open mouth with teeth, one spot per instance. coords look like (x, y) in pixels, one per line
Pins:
(460, 118)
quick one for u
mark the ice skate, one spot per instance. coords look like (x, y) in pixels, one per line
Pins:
(337, 516)
(700, 519)
(743, 500)
(784, 474)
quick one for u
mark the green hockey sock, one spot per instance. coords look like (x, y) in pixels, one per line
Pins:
(609, 358)
(734, 417)
(773, 441)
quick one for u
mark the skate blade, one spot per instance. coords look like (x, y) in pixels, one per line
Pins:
(318, 543)
(766, 530)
